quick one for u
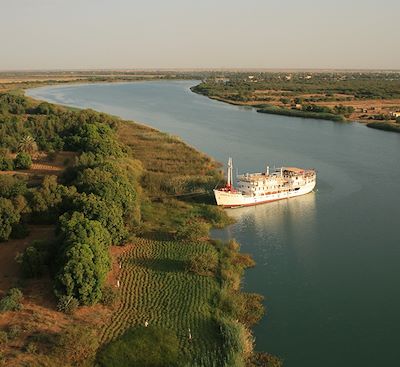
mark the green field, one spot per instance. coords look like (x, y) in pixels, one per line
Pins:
(155, 287)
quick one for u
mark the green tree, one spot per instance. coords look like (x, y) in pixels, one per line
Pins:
(6, 164)
(107, 213)
(113, 185)
(83, 260)
(11, 187)
(95, 137)
(45, 108)
(27, 145)
(35, 259)
(47, 202)
(8, 217)
(22, 161)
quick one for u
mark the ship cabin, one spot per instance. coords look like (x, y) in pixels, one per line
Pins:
(282, 179)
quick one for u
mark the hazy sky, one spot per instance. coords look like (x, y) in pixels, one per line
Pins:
(54, 34)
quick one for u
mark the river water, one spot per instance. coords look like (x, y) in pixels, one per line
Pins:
(328, 263)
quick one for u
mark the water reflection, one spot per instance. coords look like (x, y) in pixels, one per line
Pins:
(274, 226)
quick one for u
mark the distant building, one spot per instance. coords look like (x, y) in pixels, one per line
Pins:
(222, 80)
(395, 114)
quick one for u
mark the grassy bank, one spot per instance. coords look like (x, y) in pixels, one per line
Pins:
(297, 113)
(385, 125)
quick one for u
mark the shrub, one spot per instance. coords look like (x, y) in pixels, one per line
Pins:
(45, 108)
(8, 218)
(192, 230)
(260, 359)
(109, 295)
(31, 348)
(77, 345)
(6, 164)
(3, 337)
(214, 215)
(142, 346)
(11, 187)
(22, 161)
(11, 301)
(14, 331)
(203, 264)
(20, 230)
(237, 342)
(67, 304)
(34, 259)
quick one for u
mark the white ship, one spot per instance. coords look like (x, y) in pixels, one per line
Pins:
(263, 187)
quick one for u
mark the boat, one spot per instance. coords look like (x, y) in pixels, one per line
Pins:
(264, 187)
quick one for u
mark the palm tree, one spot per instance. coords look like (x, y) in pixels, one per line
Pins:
(27, 145)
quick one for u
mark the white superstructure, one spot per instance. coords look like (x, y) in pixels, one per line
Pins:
(257, 188)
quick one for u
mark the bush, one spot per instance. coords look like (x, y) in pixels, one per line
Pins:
(67, 304)
(11, 301)
(6, 164)
(237, 342)
(109, 295)
(34, 259)
(142, 346)
(3, 337)
(14, 331)
(20, 230)
(11, 187)
(214, 215)
(77, 345)
(260, 359)
(31, 348)
(22, 161)
(8, 218)
(203, 264)
(192, 230)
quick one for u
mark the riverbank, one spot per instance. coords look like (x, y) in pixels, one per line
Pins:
(335, 97)
(167, 169)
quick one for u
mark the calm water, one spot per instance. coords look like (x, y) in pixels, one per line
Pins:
(328, 263)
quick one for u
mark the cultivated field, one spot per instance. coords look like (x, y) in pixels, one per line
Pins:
(156, 288)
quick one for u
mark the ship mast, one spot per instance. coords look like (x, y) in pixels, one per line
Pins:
(229, 184)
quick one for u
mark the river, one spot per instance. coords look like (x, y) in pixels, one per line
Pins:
(328, 263)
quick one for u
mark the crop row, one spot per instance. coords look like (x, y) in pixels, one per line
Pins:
(157, 289)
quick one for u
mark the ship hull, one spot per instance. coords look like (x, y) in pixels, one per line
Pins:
(230, 199)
